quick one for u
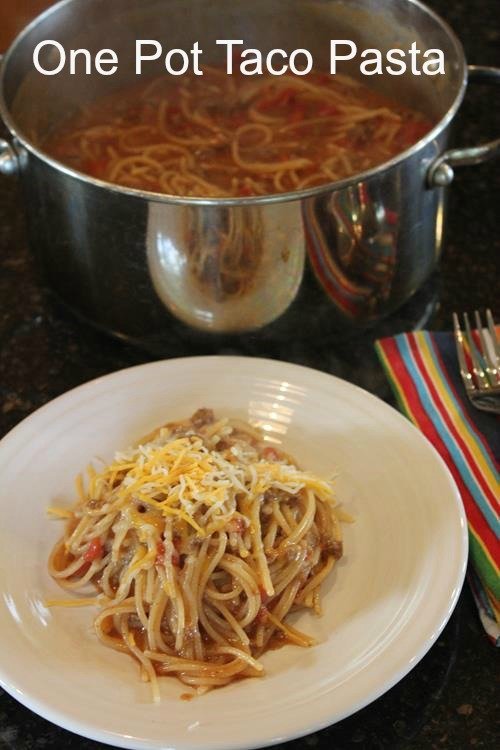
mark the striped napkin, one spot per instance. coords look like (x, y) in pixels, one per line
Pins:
(423, 371)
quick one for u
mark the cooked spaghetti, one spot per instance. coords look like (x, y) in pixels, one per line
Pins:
(220, 135)
(199, 542)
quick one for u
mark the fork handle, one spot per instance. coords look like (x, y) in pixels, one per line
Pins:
(441, 172)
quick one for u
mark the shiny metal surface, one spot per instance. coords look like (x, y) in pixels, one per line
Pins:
(131, 262)
(8, 159)
(441, 172)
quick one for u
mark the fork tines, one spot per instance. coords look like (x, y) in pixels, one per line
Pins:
(479, 360)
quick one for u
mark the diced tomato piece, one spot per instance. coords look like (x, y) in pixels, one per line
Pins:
(271, 454)
(160, 553)
(246, 191)
(94, 551)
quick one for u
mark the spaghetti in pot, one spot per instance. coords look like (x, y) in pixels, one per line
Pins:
(199, 541)
(220, 135)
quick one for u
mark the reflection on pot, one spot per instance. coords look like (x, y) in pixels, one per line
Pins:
(352, 246)
(225, 269)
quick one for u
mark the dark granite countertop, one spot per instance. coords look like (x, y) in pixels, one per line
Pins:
(448, 700)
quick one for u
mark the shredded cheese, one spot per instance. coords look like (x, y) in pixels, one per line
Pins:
(196, 484)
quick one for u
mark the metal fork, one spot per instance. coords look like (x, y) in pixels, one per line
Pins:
(482, 380)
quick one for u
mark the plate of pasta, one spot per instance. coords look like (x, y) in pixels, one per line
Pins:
(219, 552)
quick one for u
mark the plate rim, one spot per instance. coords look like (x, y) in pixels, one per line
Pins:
(61, 719)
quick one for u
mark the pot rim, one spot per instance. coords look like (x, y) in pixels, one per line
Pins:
(242, 200)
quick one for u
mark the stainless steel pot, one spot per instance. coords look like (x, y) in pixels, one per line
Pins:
(124, 259)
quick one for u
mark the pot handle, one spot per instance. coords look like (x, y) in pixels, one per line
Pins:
(8, 158)
(441, 172)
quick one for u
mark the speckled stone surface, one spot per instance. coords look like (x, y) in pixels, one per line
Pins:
(448, 700)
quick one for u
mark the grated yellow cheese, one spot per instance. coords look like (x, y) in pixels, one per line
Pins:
(197, 485)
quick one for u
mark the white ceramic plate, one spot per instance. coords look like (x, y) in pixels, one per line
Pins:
(384, 605)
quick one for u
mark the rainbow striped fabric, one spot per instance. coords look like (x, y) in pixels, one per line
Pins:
(423, 370)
